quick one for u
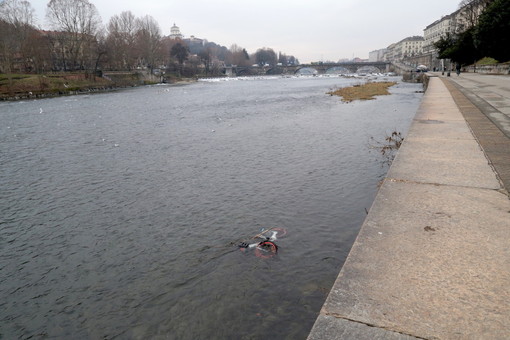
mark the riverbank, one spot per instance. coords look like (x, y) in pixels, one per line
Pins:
(431, 259)
(33, 86)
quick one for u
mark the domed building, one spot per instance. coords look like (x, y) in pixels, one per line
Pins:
(175, 32)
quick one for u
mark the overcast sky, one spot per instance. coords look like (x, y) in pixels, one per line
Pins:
(318, 30)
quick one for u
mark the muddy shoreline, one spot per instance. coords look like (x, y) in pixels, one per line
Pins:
(86, 90)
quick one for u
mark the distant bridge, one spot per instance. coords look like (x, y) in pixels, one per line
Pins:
(322, 68)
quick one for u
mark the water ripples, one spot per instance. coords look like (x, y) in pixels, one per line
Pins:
(120, 213)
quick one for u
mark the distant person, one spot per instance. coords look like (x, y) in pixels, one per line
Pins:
(457, 68)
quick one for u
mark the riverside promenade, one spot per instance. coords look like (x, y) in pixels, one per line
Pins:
(432, 259)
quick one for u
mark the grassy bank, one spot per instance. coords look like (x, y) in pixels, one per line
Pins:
(366, 91)
(19, 86)
(15, 86)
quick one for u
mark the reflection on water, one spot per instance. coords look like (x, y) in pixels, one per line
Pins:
(120, 213)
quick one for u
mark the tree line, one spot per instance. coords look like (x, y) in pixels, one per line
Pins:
(485, 32)
(77, 40)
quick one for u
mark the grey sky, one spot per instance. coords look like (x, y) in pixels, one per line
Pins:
(309, 30)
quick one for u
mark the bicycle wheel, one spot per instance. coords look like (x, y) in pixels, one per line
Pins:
(266, 249)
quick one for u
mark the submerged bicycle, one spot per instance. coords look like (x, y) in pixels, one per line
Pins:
(266, 248)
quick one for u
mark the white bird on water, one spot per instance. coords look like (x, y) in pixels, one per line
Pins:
(40, 110)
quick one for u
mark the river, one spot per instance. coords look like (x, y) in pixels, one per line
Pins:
(121, 212)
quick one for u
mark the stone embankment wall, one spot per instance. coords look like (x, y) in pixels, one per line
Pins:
(489, 69)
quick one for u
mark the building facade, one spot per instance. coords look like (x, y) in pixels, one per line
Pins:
(408, 47)
(437, 30)
(377, 55)
(418, 50)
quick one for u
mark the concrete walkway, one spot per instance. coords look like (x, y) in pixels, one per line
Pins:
(432, 259)
(484, 101)
(490, 93)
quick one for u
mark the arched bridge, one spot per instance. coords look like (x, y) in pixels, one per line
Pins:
(322, 68)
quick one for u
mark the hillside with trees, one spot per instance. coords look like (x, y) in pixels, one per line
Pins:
(77, 41)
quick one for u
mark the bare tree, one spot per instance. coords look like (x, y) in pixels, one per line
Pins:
(78, 22)
(40, 51)
(205, 57)
(100, 51)
(121, 40)
(469, 11)
(148, 41)
(17, 28)
(17, 12)
(283, 59)
(238, 56)
(266, 56)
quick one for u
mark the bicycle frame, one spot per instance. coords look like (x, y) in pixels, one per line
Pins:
(264, 249)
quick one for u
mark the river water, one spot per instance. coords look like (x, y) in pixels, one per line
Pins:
(121, 212)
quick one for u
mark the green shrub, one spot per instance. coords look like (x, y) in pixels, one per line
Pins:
(487, 61)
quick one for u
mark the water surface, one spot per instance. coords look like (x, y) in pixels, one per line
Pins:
(120, 212)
